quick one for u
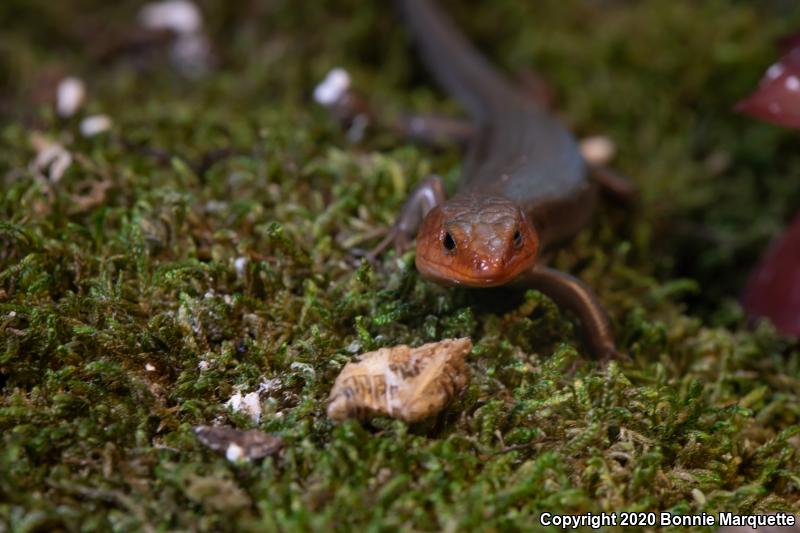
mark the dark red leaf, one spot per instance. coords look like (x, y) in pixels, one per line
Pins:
(777, 98)
(789, 43)
(773, 290)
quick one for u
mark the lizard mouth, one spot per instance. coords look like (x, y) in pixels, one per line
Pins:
(454, 275)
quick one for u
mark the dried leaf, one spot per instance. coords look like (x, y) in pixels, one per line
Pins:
(401, 382)
(772, 290)
(238, 445)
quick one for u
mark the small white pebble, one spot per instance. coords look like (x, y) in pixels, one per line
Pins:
(149, 367)
(775, 71)
(70, 95)
(793, 83)
(598, 150)
(698, 496)
(252, 406)
(234, 453)
(203, 366)
(180, 16)
(239, 264)
(12, 314)
(209, 294)
(249, 404)
(95, 124)
(333, 87)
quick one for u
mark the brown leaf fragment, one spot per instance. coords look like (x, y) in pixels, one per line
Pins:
(401, 382)
(94, 197)
(238, 445)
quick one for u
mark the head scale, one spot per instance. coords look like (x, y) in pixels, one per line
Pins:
(476, 241)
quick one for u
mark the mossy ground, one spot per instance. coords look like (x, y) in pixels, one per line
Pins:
(705, 418)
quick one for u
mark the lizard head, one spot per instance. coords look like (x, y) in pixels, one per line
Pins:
(476, 241)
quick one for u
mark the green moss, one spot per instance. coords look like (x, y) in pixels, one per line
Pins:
(220, 277)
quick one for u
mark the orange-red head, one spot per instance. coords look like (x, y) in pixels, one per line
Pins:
(476, 241)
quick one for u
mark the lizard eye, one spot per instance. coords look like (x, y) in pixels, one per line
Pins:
(448, 242)
(517, 239)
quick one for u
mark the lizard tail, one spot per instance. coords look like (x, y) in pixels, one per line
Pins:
(458, 67)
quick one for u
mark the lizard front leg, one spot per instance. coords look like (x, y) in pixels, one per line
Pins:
(426, 195)
(571, 293)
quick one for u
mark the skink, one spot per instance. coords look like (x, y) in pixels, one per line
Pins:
(524, 189)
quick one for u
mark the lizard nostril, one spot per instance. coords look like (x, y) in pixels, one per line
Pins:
(517, 239)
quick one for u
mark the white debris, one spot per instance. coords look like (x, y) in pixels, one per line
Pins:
(598, 150)
(333, 87)
(149, 367)
(699, 496)
(52, 160)
(793, 83)
(203, 365)
(249, 404)
(191, 51)
(239, 264)
(70, 94)
(269, 385)
(234, 453)
(180, 16)
(12, 314)
(95, 124)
